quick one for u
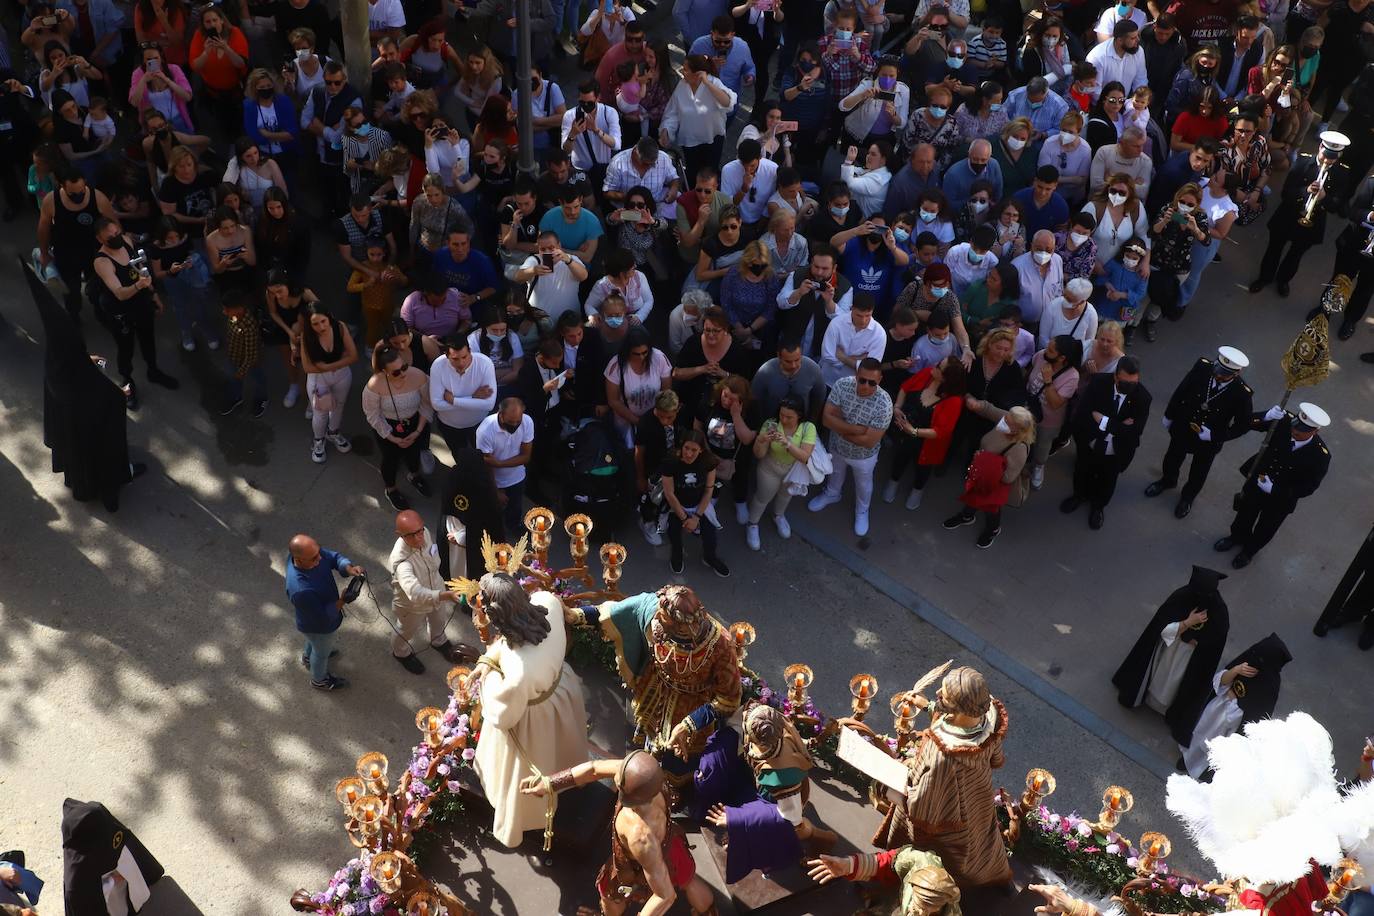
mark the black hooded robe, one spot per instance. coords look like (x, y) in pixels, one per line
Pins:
(84, 419)
(1132, 679)
(95, 845)
(1256, 696)
(469, 495)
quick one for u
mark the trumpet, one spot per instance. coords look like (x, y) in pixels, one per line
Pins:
(1309, 209)
(1332, 144)
(1368, 249)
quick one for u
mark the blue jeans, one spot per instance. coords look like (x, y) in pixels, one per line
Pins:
(191, 305)
(256, 375)
(317, 649)
(1203, 252)
(566, 15)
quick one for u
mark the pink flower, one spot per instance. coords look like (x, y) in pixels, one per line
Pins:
(469, 754)
(1113, 849)
(1084, 830)
(1072, 845)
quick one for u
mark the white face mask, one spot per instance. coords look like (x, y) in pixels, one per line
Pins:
(1185, 208)
(1116, 200)
(1285, 101)
(1067, 137)
(1078, 237)
(1131, 263)
(1016, 143)
(980, 206)
(1042, 257)
(1004, 427)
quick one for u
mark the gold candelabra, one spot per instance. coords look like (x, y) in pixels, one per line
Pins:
(904, 713)
(1153, 847)
(1116, 801)
(540, 522)
(744, 634)
(1039, 784)
(863, 688)
(1345, 877)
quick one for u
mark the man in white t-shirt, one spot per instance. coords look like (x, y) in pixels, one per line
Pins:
(506, 441)
(554, 275)
(384, 17)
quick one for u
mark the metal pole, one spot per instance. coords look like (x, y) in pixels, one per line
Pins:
(1264, 445)
(357, 48)
(525, 110)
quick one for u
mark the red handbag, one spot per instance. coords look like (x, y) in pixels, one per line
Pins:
(983, 486)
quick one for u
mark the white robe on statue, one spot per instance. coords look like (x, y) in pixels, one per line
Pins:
(552, 731)
(1221, 716)
(1167, 667)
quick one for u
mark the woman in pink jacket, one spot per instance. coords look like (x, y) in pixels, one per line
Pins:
(163, 86)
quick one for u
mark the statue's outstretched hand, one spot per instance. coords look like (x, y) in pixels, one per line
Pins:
(537, 786)
(1058, 900)
(716, 817)
(827, 868)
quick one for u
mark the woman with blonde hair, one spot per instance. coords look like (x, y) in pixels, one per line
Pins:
(748, 294)
(1107, 348)
(996, 468)
(433, 215)
(1018, 156)
(479, 79)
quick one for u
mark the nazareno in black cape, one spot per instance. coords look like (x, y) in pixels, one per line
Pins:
(1202, 591)
(93, 842)
(83, 410)
(469, 494)
(1258, 695)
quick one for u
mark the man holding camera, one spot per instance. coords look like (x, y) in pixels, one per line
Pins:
(315, 595)
(418, 594)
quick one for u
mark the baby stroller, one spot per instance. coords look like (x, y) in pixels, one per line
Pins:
(599, 473)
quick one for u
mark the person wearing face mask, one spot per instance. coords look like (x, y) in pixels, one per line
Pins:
(1121, 11)
(867, 183)
(996, 469)
(932, 294)
(874, 262)
(1077, 248)
(933, 124)
(1211, 406)
(269, 118)
(983, 116)
(1119, 289)
(506, 441)
(976, 211)
(1189, 81)
(1038, 105)
(978, 165)
(836, 214)
(1108, 422)
(808, 98)
(1290, 469)
(920, 174)
(1047, 51)
(1042, 276)
(970, 261)
(878, 107)
(1071, 156)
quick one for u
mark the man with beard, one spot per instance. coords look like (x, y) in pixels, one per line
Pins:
(810, 299)
(1178, 651)
(680, 665)
(66, 231)
(949, 808)
(650, 859)
(1210, 407)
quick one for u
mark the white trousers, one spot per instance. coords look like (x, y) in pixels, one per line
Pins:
(863, 479)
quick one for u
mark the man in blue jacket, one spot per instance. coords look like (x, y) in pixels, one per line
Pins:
(313, 592)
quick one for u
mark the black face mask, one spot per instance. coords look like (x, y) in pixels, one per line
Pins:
(875, 238)
(1204, 74)
(1126, 388)
(588, 107)
(976, 167)
(806, 66)
(757, 269)
(265, 94)
(1222, 373)
(1308, 51)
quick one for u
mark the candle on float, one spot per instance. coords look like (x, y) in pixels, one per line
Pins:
(865, 691)
(541, 523)
(1114, 800)
(1038, 784)
(1155, 847)
(374, 771)
(799, 681)
(906, 711)
(739, 637)
(580, 530)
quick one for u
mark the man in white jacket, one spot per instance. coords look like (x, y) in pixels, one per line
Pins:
(418, 594)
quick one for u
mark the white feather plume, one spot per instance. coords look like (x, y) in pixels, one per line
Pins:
(1105, 905)
(1272, 804)
(1355, 824)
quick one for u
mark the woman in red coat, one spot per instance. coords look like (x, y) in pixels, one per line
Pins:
(923, 419)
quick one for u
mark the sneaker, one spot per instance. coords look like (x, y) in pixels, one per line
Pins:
(890, 491)
(675, 563)
(717, 565)
(188, 344)
(419, 483)
(231, 407)
(987, 537)
(333, 682)
(913, 499)
(317, 451)
(1037, 476)
(751, 537)
(651, 534)
(410, 663)
(213, 344)
(428, 462)
(818, 503)
(260, 409)
(958, 520)
(710, 516)
(861, 523)
(293, 394)
(784, 529)
(340, 442)
(309, 414)
(742, 513)
(397, 500)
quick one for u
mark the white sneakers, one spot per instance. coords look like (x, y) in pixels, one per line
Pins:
(861, 523)
(890, 491)
(819, 502)
(1037, 476)
(293, 394)
(651, 535)
(751, 537)
(317, 454)
(784, 529)
(340, 442)
(913, 499)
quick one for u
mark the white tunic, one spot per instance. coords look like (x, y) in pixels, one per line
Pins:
(516, 723)
(1221, 717)
(1166, 668)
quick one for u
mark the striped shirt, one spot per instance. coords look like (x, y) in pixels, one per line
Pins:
(621, 175)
